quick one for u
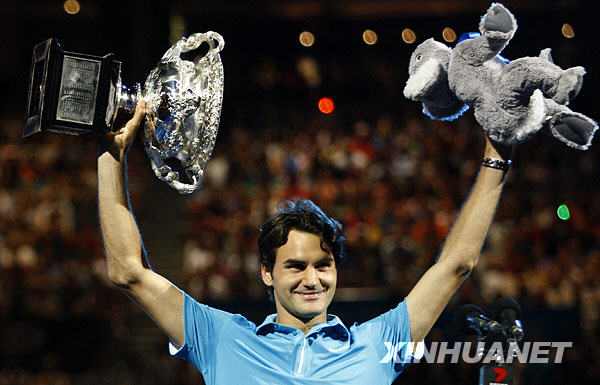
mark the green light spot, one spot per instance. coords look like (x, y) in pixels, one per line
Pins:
(563, 212)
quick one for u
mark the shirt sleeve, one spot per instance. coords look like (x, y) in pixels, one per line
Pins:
(390, 333)
(203, 326)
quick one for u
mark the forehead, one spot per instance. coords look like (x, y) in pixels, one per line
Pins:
(300, 245)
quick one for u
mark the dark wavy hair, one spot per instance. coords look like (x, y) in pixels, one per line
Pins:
(303, 215)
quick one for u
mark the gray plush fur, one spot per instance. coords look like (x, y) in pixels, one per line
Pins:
(512, 102)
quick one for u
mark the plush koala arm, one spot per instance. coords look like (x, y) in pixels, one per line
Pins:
(497, 27)
(498, 23)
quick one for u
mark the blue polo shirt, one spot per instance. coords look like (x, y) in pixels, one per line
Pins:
(228, 349)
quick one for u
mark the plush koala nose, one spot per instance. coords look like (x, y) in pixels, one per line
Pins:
(424, 78)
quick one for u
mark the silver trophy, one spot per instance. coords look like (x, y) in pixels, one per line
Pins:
(81, 94)
(184, 102)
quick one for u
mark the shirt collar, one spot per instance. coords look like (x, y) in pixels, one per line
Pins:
(333, 327)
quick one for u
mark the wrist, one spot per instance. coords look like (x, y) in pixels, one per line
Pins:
(107, 146)
(498, 164)
(495, 150)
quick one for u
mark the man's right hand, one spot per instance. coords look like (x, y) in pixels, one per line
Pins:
(120, 140)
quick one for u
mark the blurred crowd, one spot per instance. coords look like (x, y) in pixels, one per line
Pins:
(395, 179)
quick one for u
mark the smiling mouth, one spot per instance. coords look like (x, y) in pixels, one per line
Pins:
(310, 295)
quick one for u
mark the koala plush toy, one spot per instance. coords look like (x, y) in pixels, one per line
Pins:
(511, 101)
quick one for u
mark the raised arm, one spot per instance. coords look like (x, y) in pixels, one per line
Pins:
(461, 251)
(125, 258)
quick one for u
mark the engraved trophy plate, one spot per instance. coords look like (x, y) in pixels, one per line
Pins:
(78, 90)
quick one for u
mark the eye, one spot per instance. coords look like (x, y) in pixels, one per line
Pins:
(419, 56)
(323, 266)
(295, 266)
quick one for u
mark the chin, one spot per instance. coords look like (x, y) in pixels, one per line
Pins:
(308, 315)
(312, 310)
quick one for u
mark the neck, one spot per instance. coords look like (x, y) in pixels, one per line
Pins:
(302, 324)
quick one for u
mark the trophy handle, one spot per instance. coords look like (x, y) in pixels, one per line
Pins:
(213, 39)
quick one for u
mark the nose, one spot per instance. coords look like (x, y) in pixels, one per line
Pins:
(310, 278)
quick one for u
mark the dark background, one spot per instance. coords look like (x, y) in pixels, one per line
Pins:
(400, 181)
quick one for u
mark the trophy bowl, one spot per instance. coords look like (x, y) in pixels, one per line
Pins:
(184, 103)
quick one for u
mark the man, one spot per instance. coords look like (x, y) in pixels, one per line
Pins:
(300, 249)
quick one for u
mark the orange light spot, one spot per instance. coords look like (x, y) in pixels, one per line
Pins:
(369, 37)
(72, 7)
(409, 36)
(326, 105)
(307, 39)
(568, 31)
(448, 34)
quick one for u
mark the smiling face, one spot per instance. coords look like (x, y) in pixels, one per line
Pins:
(303, 278)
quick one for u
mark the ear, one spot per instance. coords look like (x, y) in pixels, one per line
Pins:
(266, 275)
